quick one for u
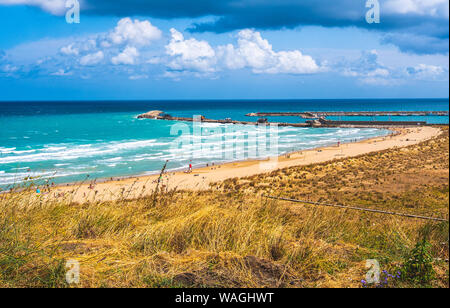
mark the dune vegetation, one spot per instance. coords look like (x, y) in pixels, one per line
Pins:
(232, 236)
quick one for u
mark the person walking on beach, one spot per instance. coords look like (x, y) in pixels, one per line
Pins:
(190, 167)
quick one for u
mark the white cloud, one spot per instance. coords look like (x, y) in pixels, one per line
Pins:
(293, 62)
(121, 45)
(190, 54)
(379, 72)
(134, 32)
(435, 8)
(70, 50)
(252, 51)
(424, 71)
(61, 72)
(131, 35)
(8, 68)
(378, 81)
(230, 58)
(366, 66)
(154, 60)
(128, 56)
(368, 70)
(92, 59)
(89, 44)
(55, 7)
(137, 77)
(257, 54)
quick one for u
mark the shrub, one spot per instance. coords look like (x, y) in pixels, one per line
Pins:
(418, 266)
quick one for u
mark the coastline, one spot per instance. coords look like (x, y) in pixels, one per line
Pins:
(202, 178)
(394, 132)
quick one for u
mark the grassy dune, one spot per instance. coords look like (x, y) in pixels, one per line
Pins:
(231, 236)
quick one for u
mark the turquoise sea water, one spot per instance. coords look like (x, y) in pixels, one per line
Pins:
(66, 141)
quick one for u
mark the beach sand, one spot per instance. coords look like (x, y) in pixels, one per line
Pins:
(201, 179)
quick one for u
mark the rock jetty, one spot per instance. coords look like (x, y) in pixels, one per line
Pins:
(155, 114)
(320, 122)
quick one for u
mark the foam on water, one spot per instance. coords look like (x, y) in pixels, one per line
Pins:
(126, 157)
(69, 145)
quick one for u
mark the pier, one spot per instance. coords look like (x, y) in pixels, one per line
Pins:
(315, 119)
(324, 114)
(159, 115)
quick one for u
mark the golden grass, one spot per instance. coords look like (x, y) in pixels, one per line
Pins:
(231, 236)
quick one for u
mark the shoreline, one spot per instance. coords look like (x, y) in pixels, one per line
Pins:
(101, 180)
(132, 187)
(394, 131)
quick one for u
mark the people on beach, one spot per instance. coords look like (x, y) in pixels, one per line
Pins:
(190, 167)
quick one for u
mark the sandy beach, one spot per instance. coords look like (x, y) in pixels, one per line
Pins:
(201, 179)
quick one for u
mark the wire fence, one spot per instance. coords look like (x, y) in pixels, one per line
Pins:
(357, 209)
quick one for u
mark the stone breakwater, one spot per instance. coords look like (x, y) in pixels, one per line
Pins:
(321, 122)
(320, 114)
(159, 115)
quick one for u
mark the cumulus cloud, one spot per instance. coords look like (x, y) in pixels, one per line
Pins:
(128, 32)
(128, 49)
(134, 32)
(256, 53)
(190, 54)
(128, 56)
(121, 45)
(252, 52)
(92, 59)
(69, 50)
(118, 50)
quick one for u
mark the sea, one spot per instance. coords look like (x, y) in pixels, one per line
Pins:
(67, 142)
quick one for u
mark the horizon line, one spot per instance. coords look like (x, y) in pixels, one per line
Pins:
(220, 99)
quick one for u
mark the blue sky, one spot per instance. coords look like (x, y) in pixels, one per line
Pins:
(177, 49)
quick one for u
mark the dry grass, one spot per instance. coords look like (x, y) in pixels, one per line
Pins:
(231, 236)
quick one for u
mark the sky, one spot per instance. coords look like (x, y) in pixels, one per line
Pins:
(227, 49)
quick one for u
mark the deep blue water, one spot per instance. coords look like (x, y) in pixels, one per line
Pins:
(218, 109)
(66, 141)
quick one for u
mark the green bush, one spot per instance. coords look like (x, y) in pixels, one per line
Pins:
(418, 266)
